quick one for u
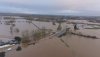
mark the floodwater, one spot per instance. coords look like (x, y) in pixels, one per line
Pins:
(83, 47)
(45, 48)
(78, 46)
(22, 25)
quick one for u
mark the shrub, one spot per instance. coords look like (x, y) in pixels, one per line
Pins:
(25, 37)
(18, 39)
(37, 35)
(18, 48)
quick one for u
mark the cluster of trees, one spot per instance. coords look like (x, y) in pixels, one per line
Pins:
(34, 36)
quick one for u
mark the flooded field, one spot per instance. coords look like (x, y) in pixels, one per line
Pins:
(83, 47)
(78, 47)
(52, 47)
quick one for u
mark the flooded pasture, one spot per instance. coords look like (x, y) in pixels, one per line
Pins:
(78, 46)
(83, 47)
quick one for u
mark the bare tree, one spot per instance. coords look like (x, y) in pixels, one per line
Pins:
(59, 27)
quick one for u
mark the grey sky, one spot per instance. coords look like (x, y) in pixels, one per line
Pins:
(58, 7)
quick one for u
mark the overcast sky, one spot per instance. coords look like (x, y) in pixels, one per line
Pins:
(55, 7)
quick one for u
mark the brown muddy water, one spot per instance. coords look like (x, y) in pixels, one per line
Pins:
(78, 46)
(83, 47)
